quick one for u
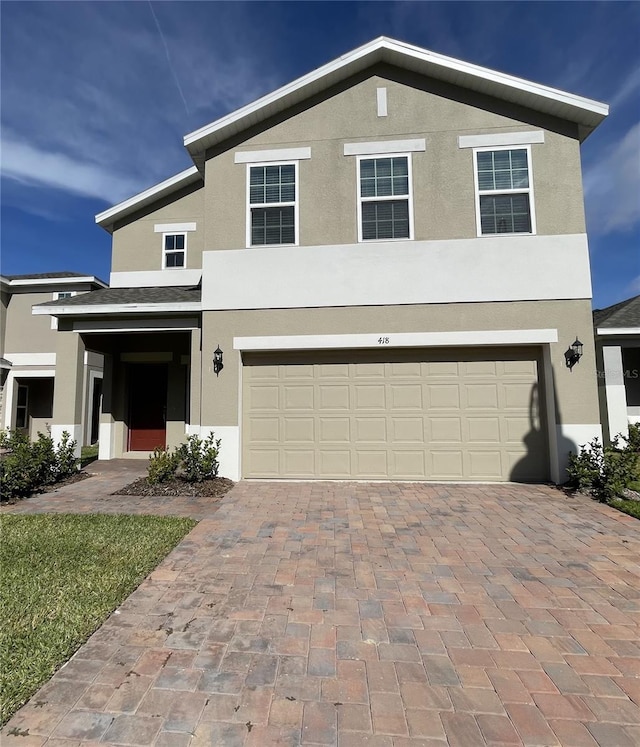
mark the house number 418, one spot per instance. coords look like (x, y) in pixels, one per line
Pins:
(383, 340)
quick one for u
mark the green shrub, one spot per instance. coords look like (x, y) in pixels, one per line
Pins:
(604, 472)
(163, 465)
(200, 458)
(195, 460)
(634, 437)
(27, 466)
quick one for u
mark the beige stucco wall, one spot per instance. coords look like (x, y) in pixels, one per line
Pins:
(137, 247)
(443, 181)
(443, 184)
(575, 391)
(26, 333)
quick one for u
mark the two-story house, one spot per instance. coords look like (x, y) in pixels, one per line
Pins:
(373, 272)
(28, 355)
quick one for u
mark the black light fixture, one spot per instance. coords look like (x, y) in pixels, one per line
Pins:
(573, 354)
(217, 361)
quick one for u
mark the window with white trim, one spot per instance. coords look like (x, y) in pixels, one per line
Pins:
(385, 198)
(504, 200)
(273, 204)
(174, 250)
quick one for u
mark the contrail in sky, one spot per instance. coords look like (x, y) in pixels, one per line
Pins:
(166, 51)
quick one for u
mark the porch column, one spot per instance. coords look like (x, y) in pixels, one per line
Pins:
(105, 432)
(615, 393)
(68, 388)
(195, 383)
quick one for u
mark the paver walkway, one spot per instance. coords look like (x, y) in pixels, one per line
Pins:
(357, 614)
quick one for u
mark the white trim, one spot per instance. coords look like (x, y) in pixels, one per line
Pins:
(385, 147)
(381, 101)
(146, 325)
(388, 273)
(615, 391)
(8, 388)
(182, 251)
(229, 457)
(495, 192)
(500, 138)
(398, 340)
(570, 436)
(56, 281)
(118, 308)
(618, 330)
(75, 431)
(409, 197)
(168, 185)
(267, 156)
(173, 227)
(156, 278)
(584, 111)
(105, 438)
(31, 359)
(267, 205)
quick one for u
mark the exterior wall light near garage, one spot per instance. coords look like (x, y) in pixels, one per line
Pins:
(573, 354)
(217, 361)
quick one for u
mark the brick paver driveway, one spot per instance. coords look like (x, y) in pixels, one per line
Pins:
(380, 615)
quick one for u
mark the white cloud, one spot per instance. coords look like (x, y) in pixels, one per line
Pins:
(29, 164)
(612, 186)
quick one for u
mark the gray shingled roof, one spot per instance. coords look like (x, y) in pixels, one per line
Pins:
(623, 314)
(112, 296)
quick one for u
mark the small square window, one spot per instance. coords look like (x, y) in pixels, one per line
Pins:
(175, 250)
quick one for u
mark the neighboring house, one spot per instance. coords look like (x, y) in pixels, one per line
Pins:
(28, 355)
(389, 258)
(617, 331)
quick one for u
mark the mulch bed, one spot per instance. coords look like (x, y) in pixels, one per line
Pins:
(77, 477)
(177, 487)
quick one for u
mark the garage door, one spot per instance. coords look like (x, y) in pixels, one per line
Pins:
(410, 415)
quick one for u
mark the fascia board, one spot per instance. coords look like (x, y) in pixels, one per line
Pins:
(117, 308)
(618, 330)
(429, 62)
(185, 177)
(25, 282)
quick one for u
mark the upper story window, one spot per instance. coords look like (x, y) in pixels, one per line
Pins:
(504, 200)
(273, 204)
(385, 198)
(175, 249)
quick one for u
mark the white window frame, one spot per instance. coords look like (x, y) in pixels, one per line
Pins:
(174, 251)
(527, 190)
(56, 297)
(360, 200)
(295, 203)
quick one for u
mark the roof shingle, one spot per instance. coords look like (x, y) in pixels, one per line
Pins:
(114, 296)
(623, 314)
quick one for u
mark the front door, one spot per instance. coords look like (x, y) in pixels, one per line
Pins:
(147, 406)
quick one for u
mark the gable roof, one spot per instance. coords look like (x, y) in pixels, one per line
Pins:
(586, 113)
(623, 315)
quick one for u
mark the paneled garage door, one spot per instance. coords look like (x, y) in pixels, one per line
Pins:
(437, 414)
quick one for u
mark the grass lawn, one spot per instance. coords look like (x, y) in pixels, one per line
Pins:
(629, 507)
(89, 454)
(61, 577)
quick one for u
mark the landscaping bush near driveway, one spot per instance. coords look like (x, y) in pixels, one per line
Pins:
(61, 577)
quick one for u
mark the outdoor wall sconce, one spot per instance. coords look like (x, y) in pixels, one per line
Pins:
(573, 354)
(217, 361)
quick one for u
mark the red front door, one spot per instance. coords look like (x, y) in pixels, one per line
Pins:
(147, 407)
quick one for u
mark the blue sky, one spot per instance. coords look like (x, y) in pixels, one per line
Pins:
(96, 97)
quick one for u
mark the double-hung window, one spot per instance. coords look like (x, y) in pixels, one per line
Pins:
(504, 195)
(273, 204)
(175, 249)
(385, 198)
